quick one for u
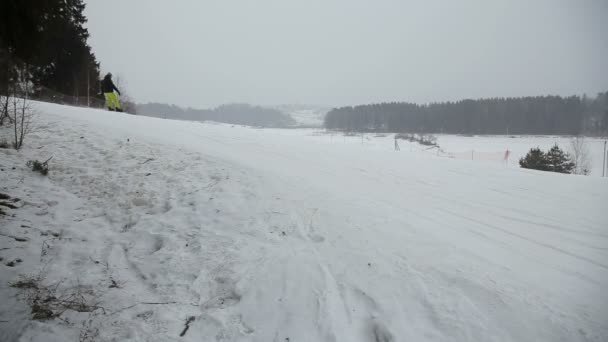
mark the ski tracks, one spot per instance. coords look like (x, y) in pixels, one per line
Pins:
(176, 242)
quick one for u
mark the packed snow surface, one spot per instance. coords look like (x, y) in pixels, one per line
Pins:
(227, 233)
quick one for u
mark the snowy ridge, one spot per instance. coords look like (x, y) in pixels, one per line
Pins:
(272, 235)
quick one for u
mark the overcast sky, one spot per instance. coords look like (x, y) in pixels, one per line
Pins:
(202, 53)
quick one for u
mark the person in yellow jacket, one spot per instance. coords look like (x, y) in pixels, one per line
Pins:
(108, 88)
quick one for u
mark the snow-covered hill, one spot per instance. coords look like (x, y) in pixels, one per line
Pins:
(224, 233)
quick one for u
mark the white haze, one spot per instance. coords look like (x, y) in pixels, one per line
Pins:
(204, 53)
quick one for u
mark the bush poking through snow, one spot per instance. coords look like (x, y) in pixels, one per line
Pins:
(422, 139)
(22, 115)
(4, 143)
(428, 140)
(47, 302)
(27, 282)
(37, 166)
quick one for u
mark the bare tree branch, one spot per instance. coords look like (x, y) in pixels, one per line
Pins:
(580, 155)
(19, 109)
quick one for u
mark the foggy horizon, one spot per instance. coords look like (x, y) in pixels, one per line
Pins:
(202, 54)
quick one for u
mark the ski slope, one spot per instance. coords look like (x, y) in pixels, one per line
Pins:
(271, 235)
(305, 116)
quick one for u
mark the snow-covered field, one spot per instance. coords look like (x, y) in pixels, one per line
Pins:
(492, 148)
(483, 148)
(284, 235)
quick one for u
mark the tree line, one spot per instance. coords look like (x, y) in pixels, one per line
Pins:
(238, 113)
(557, 115)
(44, 43)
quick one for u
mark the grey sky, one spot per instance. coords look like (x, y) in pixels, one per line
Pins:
(203, 53)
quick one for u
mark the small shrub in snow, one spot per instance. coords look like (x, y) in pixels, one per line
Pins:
(22, 115)
(27, 282)
(37, 166)
(4, 143)
(428, 140)
(47, 302)
(422, 139)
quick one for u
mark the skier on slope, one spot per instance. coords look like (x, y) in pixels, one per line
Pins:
(108, 88)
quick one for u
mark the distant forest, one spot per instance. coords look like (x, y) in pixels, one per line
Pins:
(241, 114)
(557, 115)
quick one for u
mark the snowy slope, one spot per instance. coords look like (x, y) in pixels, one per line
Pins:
(305, 116)
(270, 235)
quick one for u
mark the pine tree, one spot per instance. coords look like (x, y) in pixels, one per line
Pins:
(559, 161)
(47, 39)
(535, 159)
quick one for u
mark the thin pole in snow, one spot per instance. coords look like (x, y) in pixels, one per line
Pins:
(88, 88)
(604, 165)
(472, 153)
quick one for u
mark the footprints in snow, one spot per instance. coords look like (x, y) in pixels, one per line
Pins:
(380, 333)
(222, 293)
(286, 224)
(366, 310)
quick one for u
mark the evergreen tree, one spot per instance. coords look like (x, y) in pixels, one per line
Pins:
(559, 161)
(555, 160)
(48, 40)
(535, 159)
